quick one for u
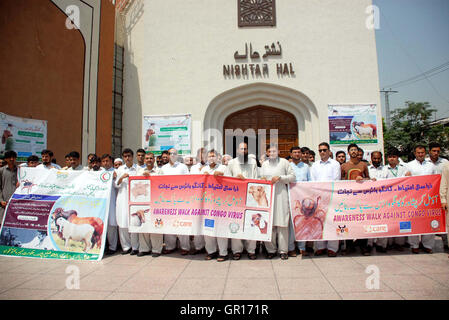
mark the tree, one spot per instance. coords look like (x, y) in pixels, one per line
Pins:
(411, 125)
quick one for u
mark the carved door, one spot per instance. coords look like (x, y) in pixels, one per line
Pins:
(257, 118)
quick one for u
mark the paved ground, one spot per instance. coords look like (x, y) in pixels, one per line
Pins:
(402, 276)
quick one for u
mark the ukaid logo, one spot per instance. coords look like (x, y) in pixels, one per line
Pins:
(381, 228)
(341, 230)
(209, 223)
(405, 226)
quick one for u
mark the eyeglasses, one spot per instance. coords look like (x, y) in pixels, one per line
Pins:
(172, 153)
(323, 150)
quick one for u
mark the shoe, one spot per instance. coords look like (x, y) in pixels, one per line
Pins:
(270, 255)
(398, 247)
(211, 256)
(284, 256)
(236, 256)
(195, 251)
(222, 258)
(365, 252)
(331, 253)
(304, 253)
(184, 252)
(292, 253)
(427, 250)
(127, 251)
(134, 252)
(109, 252)
(252, 256)
(415, 250)
(141, 254)
(381, 249)
(155, 255)
(166, 251)
(319, 252)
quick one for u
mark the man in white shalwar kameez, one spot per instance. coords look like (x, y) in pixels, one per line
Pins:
(279, 171)
(150, 241)
(112, 233)
(174, 167)
(211, 243)
(129, 241)
(242, 167)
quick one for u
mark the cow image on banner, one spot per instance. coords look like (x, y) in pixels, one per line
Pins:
(371, 209)
(57, 214)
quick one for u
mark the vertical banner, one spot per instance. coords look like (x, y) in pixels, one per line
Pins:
(371, 209)
(355, 123)
(164, 132)
(57, 214)
(25, 136)
(209, 205)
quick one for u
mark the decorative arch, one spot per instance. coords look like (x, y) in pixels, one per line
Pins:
(261, 94)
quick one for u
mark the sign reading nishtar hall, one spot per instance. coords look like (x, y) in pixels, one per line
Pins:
(257, 67)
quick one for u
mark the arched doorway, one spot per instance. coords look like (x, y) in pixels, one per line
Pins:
(261, 118)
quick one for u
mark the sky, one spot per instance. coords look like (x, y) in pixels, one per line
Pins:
(412, 38)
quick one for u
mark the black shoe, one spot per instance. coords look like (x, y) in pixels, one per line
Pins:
(155, 255)
(381, 249)
(127, 251)
(141, 254)
(134, 252)
(109, 252)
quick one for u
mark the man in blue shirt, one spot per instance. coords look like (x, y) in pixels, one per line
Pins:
(302, 173)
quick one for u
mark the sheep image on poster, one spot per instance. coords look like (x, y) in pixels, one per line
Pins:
(258, 195)
(140, 191)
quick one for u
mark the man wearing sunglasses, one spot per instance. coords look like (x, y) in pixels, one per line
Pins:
(326, 169)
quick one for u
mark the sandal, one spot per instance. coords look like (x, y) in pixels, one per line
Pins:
(284, 256)
(270, 255)
(252, 256)
(236, 256)
(222, 258)
(211, 256)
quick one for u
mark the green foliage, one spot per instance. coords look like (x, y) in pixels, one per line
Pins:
(411, 125)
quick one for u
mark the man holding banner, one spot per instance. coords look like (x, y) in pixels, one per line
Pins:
(129, 241)
(174, 167)
(150, 242)
(325, 170)
(444, 190)
(420, 167)
(243, 167)
(279, 171)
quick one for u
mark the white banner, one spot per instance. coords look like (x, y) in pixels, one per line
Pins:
(25, 136)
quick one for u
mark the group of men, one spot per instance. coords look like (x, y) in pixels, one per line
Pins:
(299, 166)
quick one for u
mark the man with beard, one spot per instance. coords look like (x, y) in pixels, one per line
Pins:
(243, 168)
(281, 173)
(47, 156)
(357, 170)
(165, 157)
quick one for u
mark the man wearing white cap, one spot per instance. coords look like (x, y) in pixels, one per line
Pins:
(118, 162)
